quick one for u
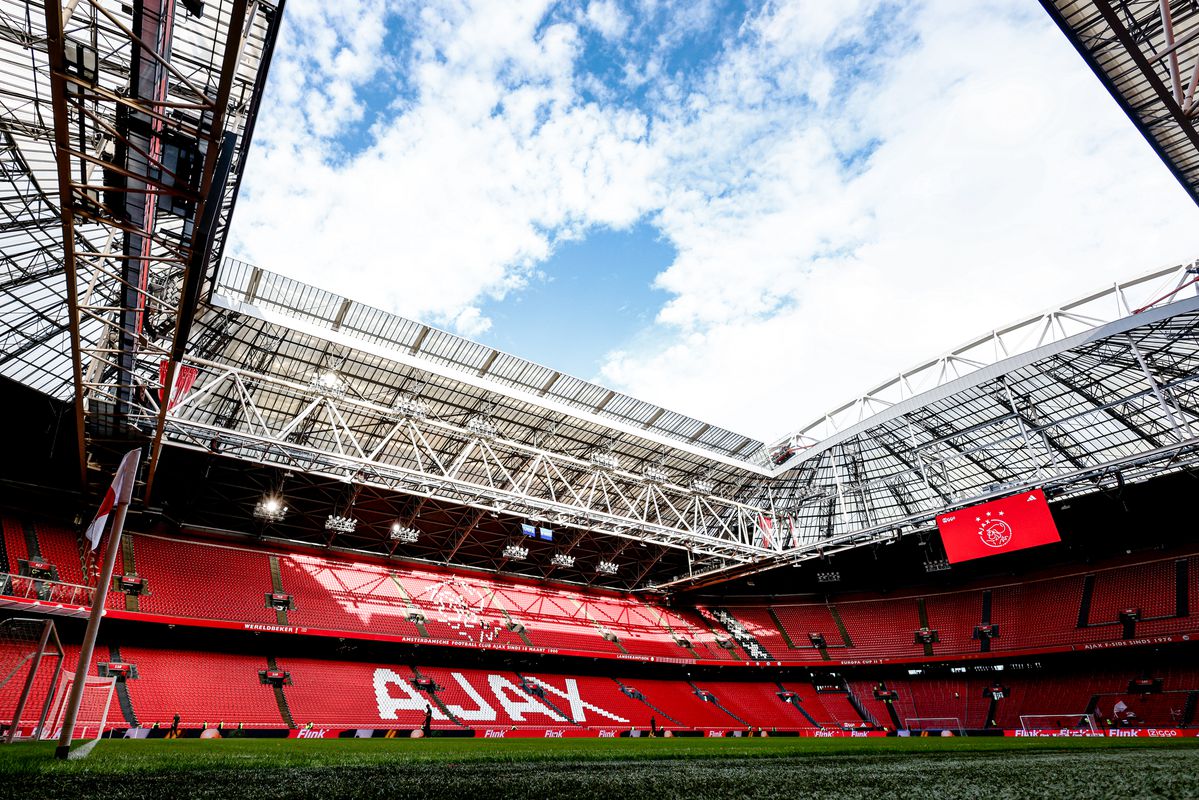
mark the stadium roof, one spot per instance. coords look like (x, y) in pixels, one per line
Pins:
(304, 379)
(1115, 402)
(150, 110)
(1146, 53)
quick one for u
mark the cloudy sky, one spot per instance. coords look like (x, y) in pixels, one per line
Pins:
(748, 212)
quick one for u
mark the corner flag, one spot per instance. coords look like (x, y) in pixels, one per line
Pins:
(119, 492)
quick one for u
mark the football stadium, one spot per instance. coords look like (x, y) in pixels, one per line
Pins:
(240, 511)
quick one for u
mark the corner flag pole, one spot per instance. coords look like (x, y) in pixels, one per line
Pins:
(118, 496)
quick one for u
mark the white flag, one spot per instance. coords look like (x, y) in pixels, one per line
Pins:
(120, 492)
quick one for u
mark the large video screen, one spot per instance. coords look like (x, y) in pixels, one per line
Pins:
(1000, 526)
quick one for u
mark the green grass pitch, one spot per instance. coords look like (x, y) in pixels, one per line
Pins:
(661, 769)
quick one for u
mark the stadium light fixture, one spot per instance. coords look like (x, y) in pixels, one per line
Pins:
(340, 524)
(937, 565)
(828, 577)
(607, 567)
(604, 461)
(516, 553)
(403, 534)
(482, 425)
(329, 382)
(655, 475)
(562, 560)
(271, 508)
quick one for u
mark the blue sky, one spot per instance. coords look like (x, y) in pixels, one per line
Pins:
(748, 212)
(589, 294)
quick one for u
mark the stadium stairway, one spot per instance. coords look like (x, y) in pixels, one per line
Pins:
(797, 704)
(436, 700)
(129, 563)
(493, 600)
(280, 697)
(277, 587)
(714, 699)
(638, 695)
(859, 706)
(122, 689)
(662, 622)
(535, 690)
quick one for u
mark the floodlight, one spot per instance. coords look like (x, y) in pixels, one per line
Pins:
(655, 475)
(562, 560)
(516, 553)
(607, 567)
(271, 508)
(329, 382)
(340, 524)
(604, 460)
(403, 534)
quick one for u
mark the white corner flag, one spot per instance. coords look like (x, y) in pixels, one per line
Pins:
(120, 492)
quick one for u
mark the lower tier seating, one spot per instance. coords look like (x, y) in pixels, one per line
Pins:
(209, 688)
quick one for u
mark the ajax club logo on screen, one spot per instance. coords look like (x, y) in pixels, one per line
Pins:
(994, 531)
(999, 526)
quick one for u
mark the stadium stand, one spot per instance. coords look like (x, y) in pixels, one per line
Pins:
(351, 694)
(605, 693)
(203, 581)
(1088, 606)
(14, 543)
(60, 547)
(201, 687)
(212, 581)
(1146, 587)
(758, 703)
(681, 702)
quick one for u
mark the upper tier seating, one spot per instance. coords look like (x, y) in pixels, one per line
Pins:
(14, 544)
(224, 582)
(203, 580)
(60, 547)
(1141, 586)
(886, 627)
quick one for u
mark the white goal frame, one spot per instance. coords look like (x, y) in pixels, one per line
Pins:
(1084, 721)
(47, 646)
(107, 686)
(957, 727)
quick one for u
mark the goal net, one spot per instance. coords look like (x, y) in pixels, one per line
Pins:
(92, 719)
(30, 662)
(1059, 723)
(935, 726)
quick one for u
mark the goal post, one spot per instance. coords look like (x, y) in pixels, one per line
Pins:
(935, 726)
(1078, 721)
(91, 721)
(31, 657)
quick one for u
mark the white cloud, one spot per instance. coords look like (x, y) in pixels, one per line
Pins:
(1001, 186)
(456, 197)
(851, 187)
(607, 18)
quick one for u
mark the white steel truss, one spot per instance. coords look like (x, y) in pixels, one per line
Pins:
(394, 448)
